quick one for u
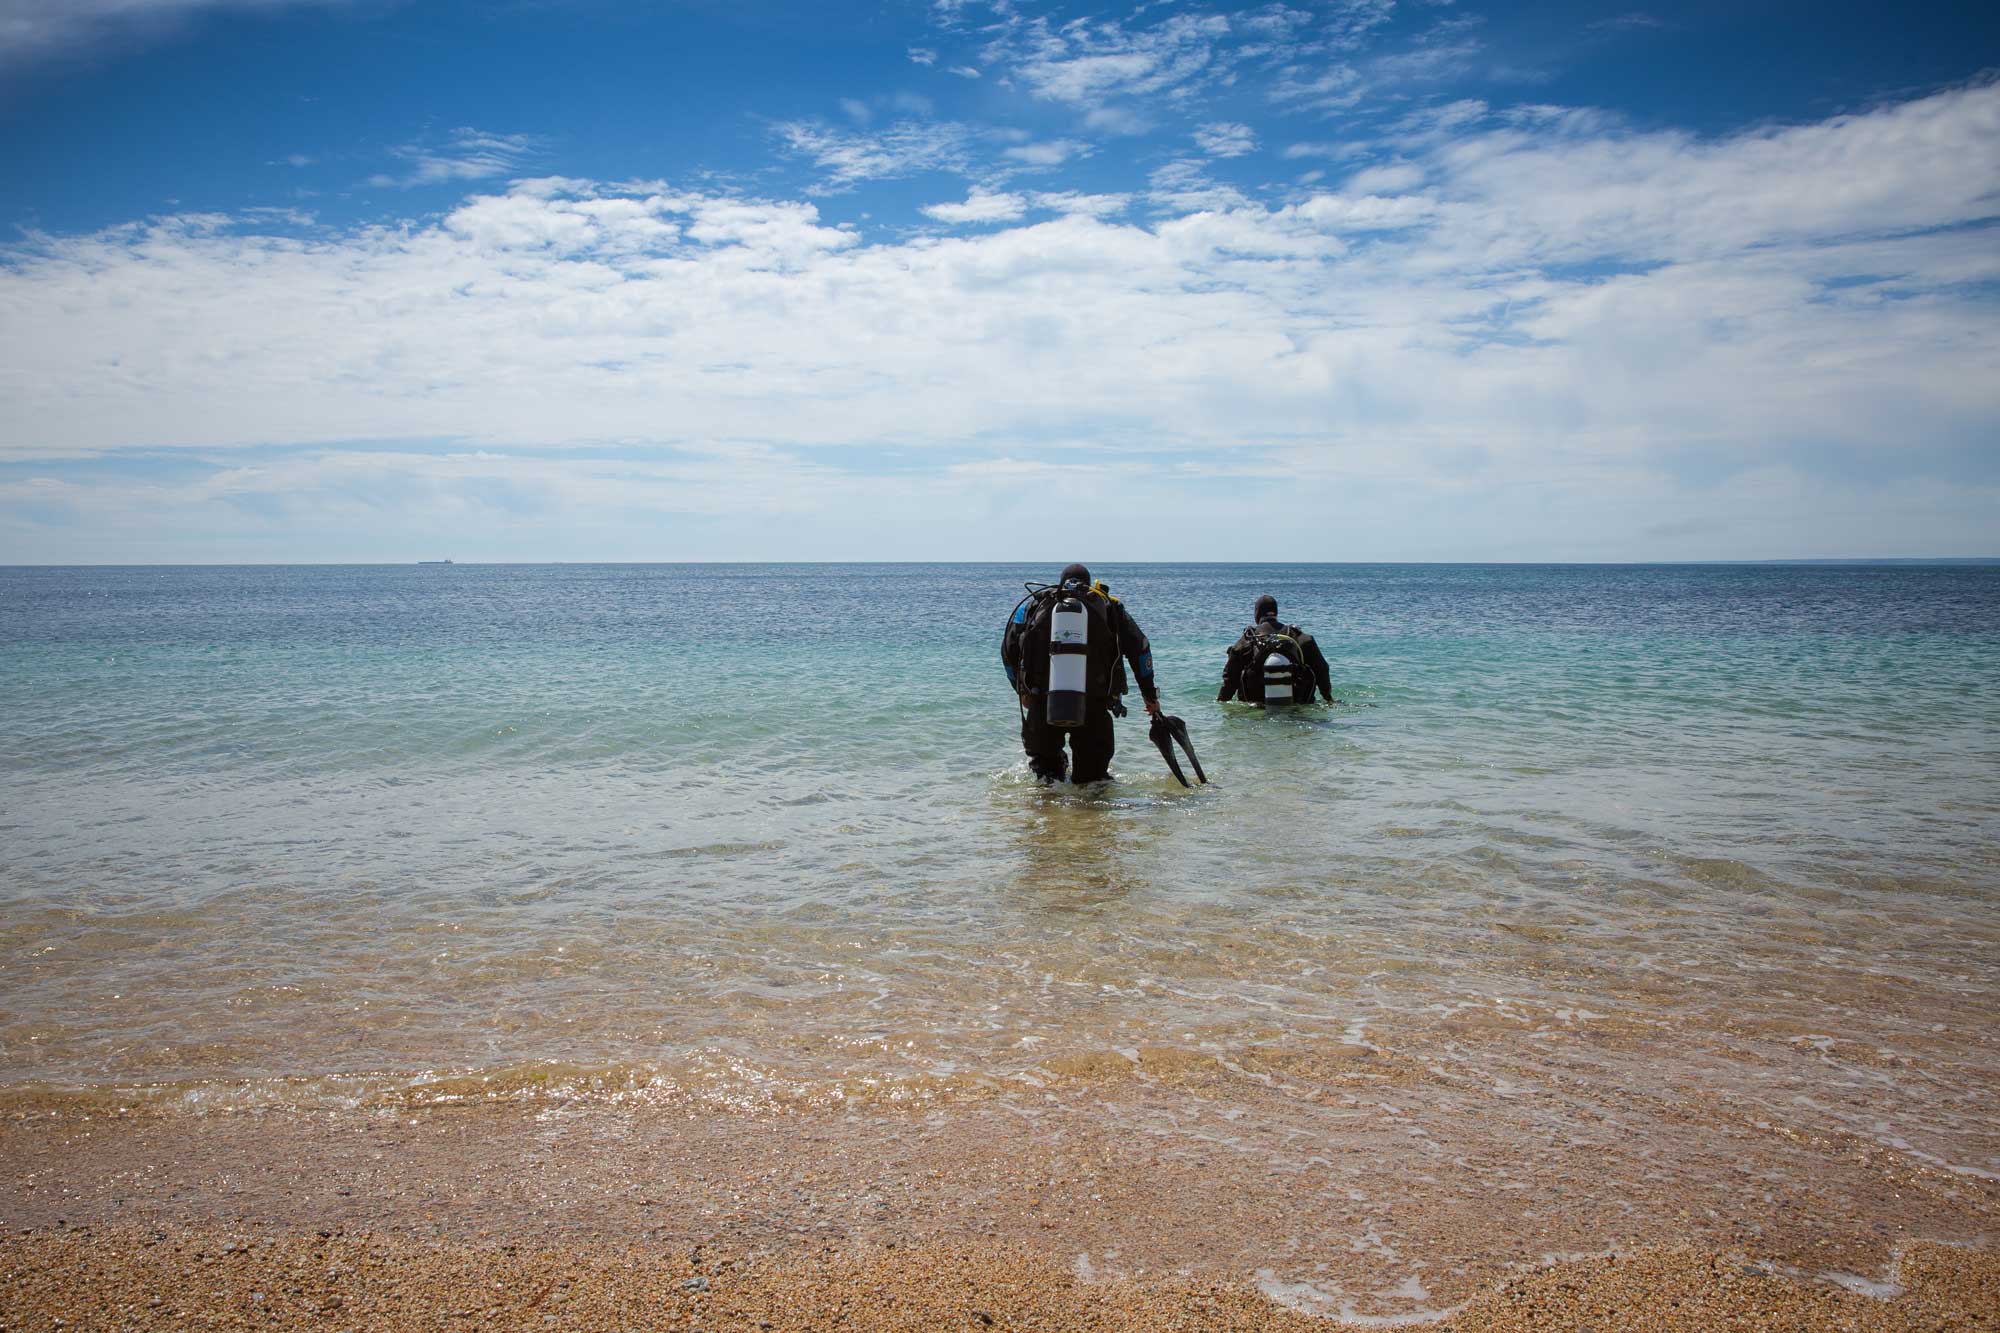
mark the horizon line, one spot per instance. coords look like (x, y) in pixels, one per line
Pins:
(526, 564)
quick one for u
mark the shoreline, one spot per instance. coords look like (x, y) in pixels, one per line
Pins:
(1132, 1200)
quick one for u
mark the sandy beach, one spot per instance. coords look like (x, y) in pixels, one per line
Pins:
(980, 1212)
(121, 1280)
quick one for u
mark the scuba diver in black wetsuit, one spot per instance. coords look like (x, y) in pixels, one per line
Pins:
(1065, 650)
(1274, 663)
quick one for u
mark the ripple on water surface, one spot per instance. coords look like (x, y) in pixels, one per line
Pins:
(602, 831)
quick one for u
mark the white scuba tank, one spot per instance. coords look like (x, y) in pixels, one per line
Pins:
(1277, 679)
(1069, 662)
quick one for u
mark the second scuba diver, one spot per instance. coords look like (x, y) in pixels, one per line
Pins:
(1274, 663)
(1065, 650)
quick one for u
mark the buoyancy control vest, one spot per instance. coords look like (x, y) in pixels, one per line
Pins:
(1062, 644)
(1276, 671)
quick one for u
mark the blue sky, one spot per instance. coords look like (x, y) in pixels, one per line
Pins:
(1368, 279)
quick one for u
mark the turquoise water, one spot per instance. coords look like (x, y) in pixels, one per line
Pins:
(765, 832)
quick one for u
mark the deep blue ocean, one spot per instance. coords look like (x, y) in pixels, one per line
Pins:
(767, 831)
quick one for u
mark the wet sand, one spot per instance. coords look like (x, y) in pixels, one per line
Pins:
(1186, 1200)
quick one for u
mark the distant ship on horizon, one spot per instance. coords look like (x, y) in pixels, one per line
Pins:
(433, 562)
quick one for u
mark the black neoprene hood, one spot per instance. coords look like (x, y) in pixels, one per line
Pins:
(1266, 608)
(1075, 574)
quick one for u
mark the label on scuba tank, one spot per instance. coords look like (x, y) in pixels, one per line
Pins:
(1069, 625)
(1066, 672)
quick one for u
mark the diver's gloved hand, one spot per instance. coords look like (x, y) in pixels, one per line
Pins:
(1118, 708)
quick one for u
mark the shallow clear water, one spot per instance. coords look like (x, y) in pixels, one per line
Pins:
(765, 832)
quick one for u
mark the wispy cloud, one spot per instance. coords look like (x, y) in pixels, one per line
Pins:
(1047, 153)
(1333, 150)
(1127, 74)
(1118, 120)
(1341, 73)
(1085, 63)
(1330, 87)
(1085, 205)
(1225, 139)
(1446, 51)
(1184, 185)
(465, 154)
(1635, 21)
(1349, 23)
(904, 149)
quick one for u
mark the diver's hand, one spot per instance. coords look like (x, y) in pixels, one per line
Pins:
(1153, 707)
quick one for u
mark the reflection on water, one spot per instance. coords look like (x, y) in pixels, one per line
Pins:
(1075, 849)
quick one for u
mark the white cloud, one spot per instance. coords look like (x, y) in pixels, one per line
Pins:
(965, 72)
(1388, 178)
(980, 206)
(465, 155)
(1573, 188)
(1335, 150)
(856, 110)
(1087, 205)
(1351, 21)
(904, 149)
(1086, 63)
(1225, 139)
(923, 55)
(1117, 120)
(1445, 54)
(1434, 124)
(1333, 87)
(1048, 153)
(1338, 74)
(1586, 308)
(1185, 186)
(1276, 22)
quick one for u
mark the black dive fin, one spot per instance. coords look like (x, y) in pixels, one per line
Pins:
(1163, 736)
(1179, 729)
(1167, 730)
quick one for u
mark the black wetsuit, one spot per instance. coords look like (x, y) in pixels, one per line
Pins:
(1092, 744)
(1243, 652)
